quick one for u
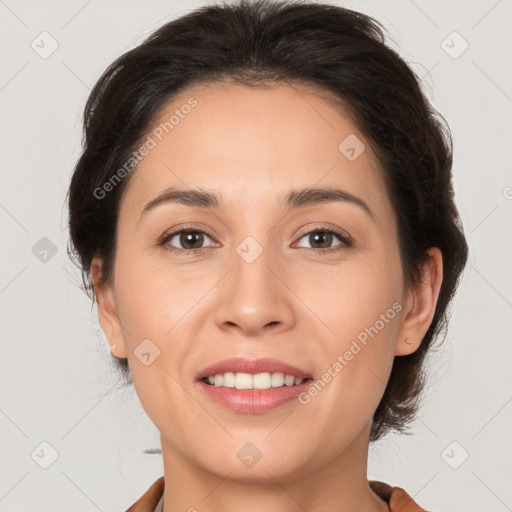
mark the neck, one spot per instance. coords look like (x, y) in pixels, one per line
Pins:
(339, 484)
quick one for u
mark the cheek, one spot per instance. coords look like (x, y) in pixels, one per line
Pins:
(361, 304)
(153, 312)
(149, 296)
(372, 316)
(351, 295)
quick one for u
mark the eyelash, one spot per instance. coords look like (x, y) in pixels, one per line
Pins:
(345, 239)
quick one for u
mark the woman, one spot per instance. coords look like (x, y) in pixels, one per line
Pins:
(263, 210)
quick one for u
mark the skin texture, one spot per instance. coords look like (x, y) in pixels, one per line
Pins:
(293, 303)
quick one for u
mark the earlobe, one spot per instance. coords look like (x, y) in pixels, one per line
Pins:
(421, 305)
(107, 313)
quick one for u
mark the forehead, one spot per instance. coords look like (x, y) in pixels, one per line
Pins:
(250, 142)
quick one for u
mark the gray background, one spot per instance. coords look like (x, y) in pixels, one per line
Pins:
(56, 382)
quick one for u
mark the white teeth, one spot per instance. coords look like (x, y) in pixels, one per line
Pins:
(243, 381)
(257, 381)
(289, 380)
(277, 380)
(229, 380)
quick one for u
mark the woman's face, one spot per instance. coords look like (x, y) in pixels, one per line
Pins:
(264, 278)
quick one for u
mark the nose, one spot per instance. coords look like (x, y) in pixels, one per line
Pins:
(255, 298)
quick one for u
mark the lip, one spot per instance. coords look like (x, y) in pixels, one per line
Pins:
(252, 366)
(253, 401)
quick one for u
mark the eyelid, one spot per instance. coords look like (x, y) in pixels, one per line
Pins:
(344, 235)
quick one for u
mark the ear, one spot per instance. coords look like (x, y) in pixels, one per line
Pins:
(107, 313)
(420, 306)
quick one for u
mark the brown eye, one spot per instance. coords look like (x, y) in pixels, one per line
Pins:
(188, 240)
(322, 240)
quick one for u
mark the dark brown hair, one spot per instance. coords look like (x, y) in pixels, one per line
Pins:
(336, 50)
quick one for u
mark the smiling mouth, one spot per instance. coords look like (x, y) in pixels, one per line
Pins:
(258, 381)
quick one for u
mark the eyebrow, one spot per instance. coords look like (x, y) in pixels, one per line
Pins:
(294, 199)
